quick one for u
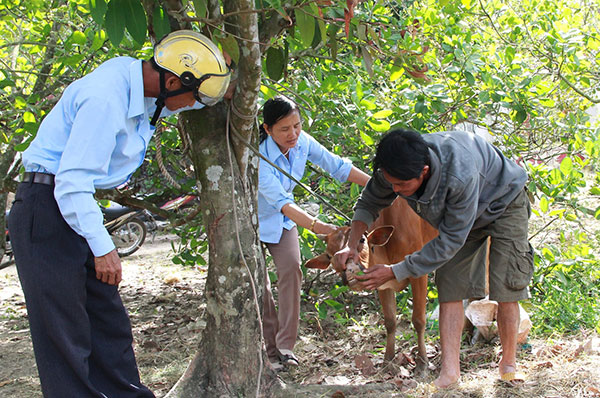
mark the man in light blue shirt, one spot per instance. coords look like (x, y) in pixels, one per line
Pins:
(95, 138)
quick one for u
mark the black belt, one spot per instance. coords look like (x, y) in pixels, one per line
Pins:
(39, 178)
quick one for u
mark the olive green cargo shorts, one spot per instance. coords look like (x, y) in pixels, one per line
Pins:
(511, 260)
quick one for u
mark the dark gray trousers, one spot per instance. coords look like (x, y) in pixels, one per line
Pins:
(80, 329)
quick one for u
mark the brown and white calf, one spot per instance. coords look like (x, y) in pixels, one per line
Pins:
(397, 232)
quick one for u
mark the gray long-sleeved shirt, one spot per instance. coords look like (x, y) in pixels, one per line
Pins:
(470, 185)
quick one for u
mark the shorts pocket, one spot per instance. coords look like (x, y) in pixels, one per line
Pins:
(520, 270)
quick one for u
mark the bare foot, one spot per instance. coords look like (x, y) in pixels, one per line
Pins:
(446, 381)
(506, 367)
(509, 374)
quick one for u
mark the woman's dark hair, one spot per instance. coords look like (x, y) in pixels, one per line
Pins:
(275, 109)
(402, 154)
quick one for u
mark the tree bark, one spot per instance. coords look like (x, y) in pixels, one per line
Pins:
(230, 360)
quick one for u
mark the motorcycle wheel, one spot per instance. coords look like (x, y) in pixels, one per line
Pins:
(129, 237)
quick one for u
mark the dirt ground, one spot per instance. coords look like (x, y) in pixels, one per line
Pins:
(166, 306)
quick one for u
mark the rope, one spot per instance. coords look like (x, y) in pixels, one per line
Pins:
(237, 234)
(239, 114)
(159, 159)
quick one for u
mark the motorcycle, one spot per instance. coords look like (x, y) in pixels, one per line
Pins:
(127, 227)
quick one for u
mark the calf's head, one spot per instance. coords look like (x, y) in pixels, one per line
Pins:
(370, 249)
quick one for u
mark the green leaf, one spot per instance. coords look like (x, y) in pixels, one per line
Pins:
(114, 22)
(484, 96)
(98, 41)
(521, 115)
(74, 59)
(230, 46)
(276, 4)
(22, 147)
(160, 22)
(509, 54)
(370, 105)
(366, 138)
(7, 83)
(78, 37)
(320, 23)
(275, 63)
(334, 304)
(316, 37)
(201, 9)
(98, 10)
(329, 83)
(322, 311)
(566, 166)
(382, 114)
(360, 93)
(597, 214)
(135, 20)
(333, 44)
(368, 60)
(306, 25)
(379, 125)
(544, 204)
(419, 106)
(555, 177)
(396, 73)
(28, 117)
(470, 78)
(571, 217)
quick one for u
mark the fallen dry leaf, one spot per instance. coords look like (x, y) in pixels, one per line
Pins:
(364, 363)
(171, 279)
(547, 364)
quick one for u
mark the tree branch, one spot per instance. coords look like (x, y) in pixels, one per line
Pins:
(577, 90)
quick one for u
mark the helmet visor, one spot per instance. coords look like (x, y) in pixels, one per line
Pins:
(212, 87)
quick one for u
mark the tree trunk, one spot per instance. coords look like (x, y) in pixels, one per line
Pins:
(3, 198)
(230, 360)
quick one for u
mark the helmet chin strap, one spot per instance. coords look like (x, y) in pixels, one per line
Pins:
(164, 94)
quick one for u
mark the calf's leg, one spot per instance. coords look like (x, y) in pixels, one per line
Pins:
(419, 292)
(387, 297)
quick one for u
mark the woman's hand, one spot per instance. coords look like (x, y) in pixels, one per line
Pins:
(323, 228)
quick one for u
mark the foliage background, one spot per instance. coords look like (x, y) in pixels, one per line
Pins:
(523, 72)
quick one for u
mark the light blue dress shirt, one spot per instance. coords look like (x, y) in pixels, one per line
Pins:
(275, 189)
(95, 137)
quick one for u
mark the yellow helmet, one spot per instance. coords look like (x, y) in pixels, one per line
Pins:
(197, 61)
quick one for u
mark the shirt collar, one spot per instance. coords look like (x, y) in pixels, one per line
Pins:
(273, 151)
(136, 90)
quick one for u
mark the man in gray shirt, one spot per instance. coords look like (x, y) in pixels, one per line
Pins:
(468, 190)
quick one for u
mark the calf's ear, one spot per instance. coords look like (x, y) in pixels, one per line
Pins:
(319, 262)
(380, 235)
(323, 237)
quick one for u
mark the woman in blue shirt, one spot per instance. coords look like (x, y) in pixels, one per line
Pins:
(285, 144)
